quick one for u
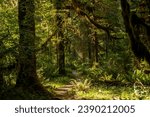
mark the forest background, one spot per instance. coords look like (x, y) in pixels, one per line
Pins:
(75, 49)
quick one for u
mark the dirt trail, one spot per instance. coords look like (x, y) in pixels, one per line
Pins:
(63, 92)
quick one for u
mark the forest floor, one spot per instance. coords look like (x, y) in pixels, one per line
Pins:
(66, 88)
(98, 91)
(63, 92)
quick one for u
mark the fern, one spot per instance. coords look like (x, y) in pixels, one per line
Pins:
(81, 85)
(139, 90)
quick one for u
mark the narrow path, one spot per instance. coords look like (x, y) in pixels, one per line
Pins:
(63, 92)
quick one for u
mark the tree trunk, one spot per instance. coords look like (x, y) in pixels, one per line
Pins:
(61, 58)
(1, 75)
(132, 23)
(1, 64)
(96, 47)
(89, 51)
(148, 4)
(27, 76)
(61, 47)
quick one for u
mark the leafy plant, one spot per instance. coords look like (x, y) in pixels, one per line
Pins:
(106, 77)
(139, 75)
(139, 90)
(81, 85)
(95, 73)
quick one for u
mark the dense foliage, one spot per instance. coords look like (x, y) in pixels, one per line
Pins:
(88, 43)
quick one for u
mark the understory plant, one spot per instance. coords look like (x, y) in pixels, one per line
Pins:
(81, 85)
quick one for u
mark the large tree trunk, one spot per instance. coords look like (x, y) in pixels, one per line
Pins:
(61, 58)
(27, 76)
(1, 75)
(132, 24)
(1, 64)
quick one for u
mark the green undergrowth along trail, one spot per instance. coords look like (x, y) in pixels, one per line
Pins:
(86, 89)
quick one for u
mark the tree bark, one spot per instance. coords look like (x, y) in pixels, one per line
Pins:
(1, 64)
(96, 48)
(61, 58)
(61, 47)
(27, 76)
(89, 51)
(132, 23)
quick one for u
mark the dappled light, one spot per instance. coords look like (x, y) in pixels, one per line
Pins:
(75, 49)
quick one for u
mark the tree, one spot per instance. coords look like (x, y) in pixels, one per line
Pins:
(133, 25)
(1, 64)
(27, 76)
(60, 47)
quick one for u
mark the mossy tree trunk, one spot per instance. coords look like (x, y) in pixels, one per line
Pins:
(90, 51)
(27, 76)
(1, 64)
(96, 47)
(61, 46)
(133, 24)
(61, 58)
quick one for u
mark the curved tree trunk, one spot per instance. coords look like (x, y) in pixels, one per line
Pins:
(132, 23)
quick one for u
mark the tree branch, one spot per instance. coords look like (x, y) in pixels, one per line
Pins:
(46, 42)
(49, 38)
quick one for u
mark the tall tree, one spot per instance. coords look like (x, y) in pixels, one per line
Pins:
(133, 24)
(61, 47)
(27, 76)
(96, 47)
(1, 64)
